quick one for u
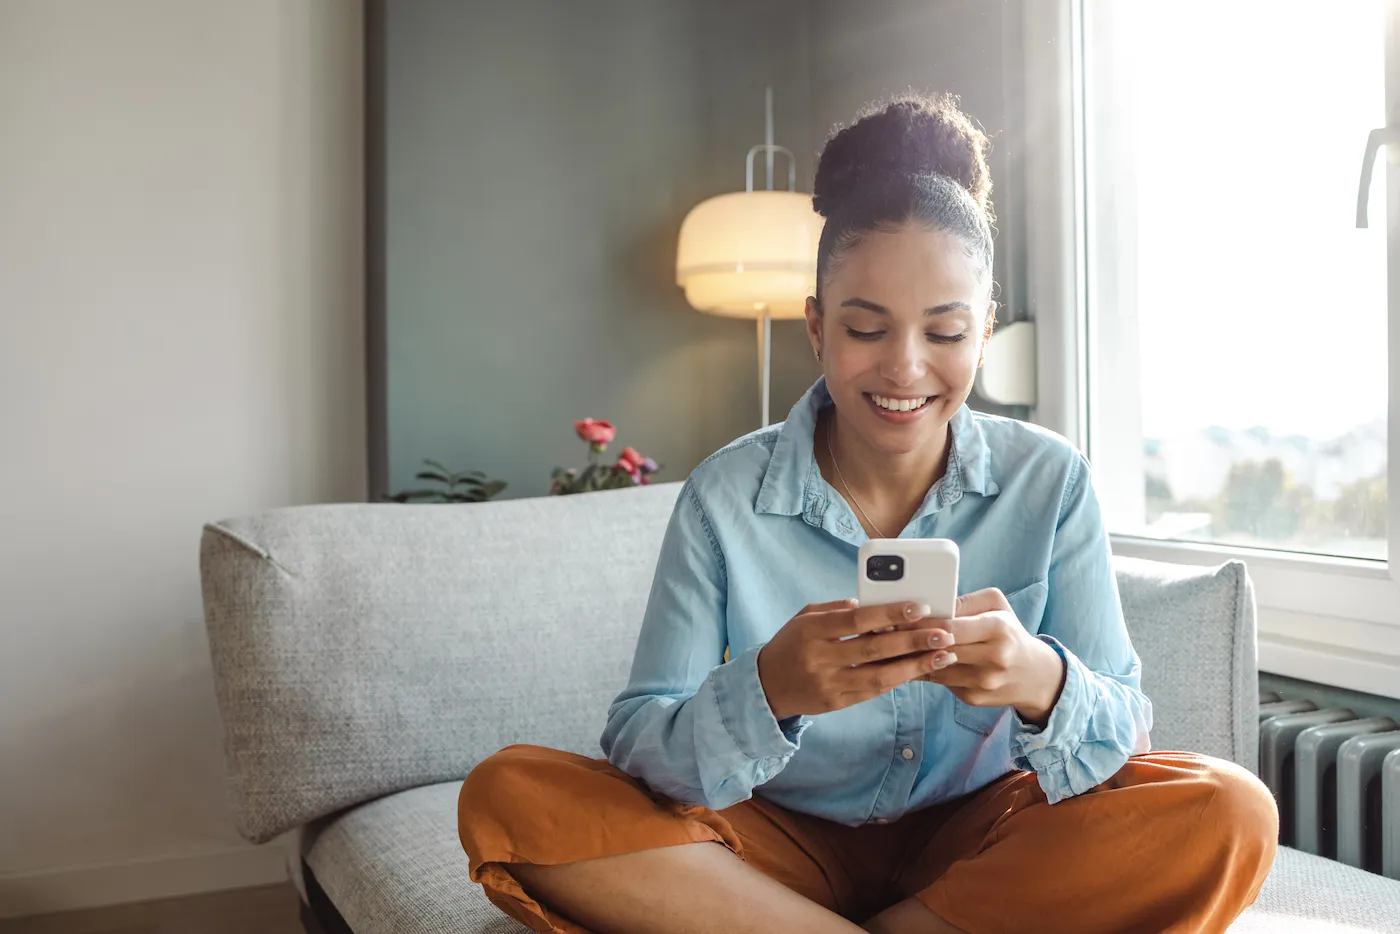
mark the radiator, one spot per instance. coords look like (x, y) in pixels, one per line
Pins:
(1336, 778)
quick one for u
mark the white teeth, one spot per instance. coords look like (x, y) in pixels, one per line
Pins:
(899, 405)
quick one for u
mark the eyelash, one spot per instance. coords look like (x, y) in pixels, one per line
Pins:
(875, 335)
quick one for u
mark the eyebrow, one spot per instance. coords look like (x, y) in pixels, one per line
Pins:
(943, 309)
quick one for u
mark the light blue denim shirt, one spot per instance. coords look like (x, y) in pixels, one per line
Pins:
(757, 534)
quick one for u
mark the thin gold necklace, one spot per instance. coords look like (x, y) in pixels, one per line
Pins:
(846, 486)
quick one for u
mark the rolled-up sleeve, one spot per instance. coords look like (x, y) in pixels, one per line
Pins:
(691, 728)
(1101, 717)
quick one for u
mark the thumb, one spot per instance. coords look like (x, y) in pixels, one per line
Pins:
(982, 601)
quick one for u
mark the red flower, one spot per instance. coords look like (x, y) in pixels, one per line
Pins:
(630, 460)
(595, 432)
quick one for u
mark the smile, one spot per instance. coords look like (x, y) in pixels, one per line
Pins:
(891, 404)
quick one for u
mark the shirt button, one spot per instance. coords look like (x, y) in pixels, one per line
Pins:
(908, 753)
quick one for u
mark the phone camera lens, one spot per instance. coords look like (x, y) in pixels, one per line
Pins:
(884, 568)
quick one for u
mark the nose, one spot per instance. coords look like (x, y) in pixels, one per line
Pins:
(903, 364)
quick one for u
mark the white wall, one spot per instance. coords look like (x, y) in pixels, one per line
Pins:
(181, 339)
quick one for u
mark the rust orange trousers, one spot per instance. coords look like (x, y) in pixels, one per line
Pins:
(1174, 842)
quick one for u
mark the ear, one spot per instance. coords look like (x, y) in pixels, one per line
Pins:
(813, 314)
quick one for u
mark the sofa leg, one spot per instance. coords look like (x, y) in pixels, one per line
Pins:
(318, 913)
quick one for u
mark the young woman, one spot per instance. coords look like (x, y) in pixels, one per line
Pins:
(982, 774)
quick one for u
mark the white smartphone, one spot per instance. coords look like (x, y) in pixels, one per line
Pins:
(922, 570)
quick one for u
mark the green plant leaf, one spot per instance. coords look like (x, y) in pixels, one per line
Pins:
(618, 479)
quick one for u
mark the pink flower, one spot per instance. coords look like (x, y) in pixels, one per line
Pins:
(634, 464)
(630, 460)
(597, 433)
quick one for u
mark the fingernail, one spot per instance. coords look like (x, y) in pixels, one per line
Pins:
(946, 659)
(917, 611)
(936, 639)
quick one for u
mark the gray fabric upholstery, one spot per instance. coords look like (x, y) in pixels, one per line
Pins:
(1306, 893)
(395, 865)
(360, 650)
(363, 651)
(1193, 628)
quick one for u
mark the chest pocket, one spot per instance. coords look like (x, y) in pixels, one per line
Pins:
(1029, 606)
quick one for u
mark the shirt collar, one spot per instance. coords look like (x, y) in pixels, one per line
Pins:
(793, 484)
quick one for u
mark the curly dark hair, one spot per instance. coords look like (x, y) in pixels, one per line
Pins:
(914, 157)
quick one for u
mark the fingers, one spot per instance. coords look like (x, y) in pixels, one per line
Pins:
(844, 621)
(867, 681)
(989, 627)
(876, 647)
(982, 601)
(956, 676)
(847, 604)
(971, 621)
(983, 668)
(887, 616)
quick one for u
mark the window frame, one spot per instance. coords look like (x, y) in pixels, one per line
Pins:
(1329, 620)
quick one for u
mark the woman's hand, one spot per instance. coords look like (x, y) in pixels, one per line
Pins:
(808, 669)
(999, 663)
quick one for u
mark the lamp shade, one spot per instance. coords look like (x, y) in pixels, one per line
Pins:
(748, 251)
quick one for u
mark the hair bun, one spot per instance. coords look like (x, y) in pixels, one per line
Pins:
(890, 145)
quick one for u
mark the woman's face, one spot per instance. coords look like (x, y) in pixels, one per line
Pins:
(904, 320)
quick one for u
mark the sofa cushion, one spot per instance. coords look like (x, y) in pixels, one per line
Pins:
(1307, 894)
(395, 865)
(1193, 628)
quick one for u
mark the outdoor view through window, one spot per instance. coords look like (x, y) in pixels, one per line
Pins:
(1260, 308)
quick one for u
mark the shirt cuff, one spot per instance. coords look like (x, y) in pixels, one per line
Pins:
(744, 710)
(1044, 750)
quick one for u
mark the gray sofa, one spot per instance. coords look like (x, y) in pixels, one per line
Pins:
(366, 657)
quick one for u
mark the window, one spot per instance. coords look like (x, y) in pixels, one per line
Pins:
(1239, 391)
(1212, 323)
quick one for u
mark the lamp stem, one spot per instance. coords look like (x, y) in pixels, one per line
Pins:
(765, 321)
(765, 340)
(768, 131)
